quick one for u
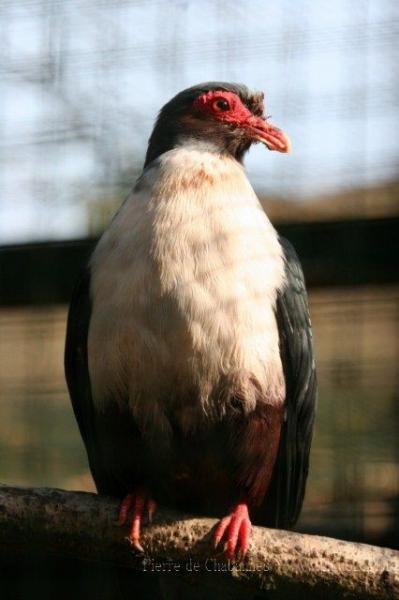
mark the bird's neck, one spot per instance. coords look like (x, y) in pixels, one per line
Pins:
(164, 141)
(207, 146)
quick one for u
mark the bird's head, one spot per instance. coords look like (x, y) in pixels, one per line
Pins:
(226, 116)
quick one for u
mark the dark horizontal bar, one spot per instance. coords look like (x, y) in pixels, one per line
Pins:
(333, 253)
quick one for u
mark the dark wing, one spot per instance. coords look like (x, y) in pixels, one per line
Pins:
(287, 488)
(113, 443)
(77, 373)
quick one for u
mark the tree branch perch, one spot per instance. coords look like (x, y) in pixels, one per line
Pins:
(280, 564)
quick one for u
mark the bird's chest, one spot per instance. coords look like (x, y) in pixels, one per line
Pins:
(219, 267)
(183, 294)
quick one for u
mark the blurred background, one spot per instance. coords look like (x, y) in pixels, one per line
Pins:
(81, 82)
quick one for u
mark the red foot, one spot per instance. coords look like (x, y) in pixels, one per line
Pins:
(234, 530)
(142, 506)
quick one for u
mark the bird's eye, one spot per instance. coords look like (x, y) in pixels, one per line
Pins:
(220, 105)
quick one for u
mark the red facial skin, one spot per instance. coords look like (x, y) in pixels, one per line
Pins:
(238, 114)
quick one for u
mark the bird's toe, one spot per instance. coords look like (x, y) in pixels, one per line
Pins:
(234, 530)
(142, 507)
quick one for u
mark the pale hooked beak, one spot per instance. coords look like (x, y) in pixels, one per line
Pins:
(273, 137)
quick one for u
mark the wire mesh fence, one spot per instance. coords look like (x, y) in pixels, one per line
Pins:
(81, 82)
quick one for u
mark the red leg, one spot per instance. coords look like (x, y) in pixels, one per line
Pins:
(142, 505)
(234, 530)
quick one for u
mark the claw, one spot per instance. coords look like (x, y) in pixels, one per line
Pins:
(221, 528)
(136, 544)
(234, 530)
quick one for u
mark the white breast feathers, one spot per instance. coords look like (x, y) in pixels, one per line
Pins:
(183, 289)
